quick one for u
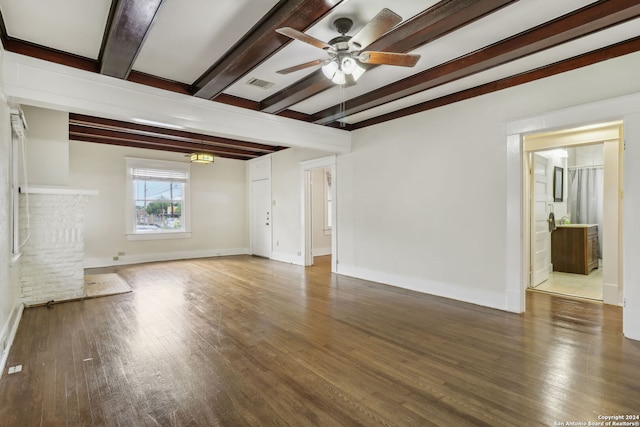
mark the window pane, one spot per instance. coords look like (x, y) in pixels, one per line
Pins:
(158, 206)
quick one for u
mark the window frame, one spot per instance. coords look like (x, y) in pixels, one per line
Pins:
(130, 205)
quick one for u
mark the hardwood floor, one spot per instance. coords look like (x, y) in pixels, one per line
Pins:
(246, 341)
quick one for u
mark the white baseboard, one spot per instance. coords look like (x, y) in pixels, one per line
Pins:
(8, 334)
(288, 258)
(610, 294)
(321, 251)
(489, 299)
(162, 256)
(515, 301)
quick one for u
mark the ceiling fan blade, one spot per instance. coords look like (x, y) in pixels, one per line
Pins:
(303, 66)
(299, 35)
(389, 58)
(380, 24)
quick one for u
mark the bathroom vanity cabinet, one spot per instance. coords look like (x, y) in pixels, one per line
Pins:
(574, 248)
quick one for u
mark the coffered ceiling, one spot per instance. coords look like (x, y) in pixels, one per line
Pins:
(216, 49)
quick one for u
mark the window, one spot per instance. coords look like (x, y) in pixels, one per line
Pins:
(157, 199)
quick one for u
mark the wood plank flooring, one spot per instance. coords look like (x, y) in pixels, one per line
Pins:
(241, 341)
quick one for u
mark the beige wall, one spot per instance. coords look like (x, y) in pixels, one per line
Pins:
(286, 192)
(47, 146)
(422, 200)
(218, 206)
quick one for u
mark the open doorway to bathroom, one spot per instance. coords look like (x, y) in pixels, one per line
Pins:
(567, 200)
(574, 212)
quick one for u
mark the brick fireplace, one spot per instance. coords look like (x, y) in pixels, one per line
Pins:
(52, 264)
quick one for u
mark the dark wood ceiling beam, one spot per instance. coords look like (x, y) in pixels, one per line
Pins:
(238, 102)
(158, 82)
(588, 20)
(440, 19)
(76, 130)
(99, 140)
(127, 28)
(590, 58)
(47, 54)
(260, 43)
(178, 135)
(304, 88)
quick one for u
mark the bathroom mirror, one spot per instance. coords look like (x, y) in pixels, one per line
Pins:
(558, 184)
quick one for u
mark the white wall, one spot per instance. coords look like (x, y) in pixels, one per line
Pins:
(422, 200)
(218, 207)
(587, 155)
(10, 304)
(631, 241)
(47, 146)
(286, 193)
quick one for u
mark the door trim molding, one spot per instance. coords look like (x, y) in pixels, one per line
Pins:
(305, 179)
(613, 109)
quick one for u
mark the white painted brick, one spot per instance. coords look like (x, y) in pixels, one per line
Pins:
(53, 257)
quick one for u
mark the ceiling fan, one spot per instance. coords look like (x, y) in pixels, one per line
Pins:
(346, 56)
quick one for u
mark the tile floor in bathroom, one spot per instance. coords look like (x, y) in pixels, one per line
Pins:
(577, 285)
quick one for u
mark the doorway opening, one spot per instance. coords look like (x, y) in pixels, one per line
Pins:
(572, 184)
(319, 212)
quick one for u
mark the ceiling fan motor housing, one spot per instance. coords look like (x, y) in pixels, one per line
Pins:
(340, 43)
(343, 25)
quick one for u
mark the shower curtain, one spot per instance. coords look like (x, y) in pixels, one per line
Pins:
(585, 198)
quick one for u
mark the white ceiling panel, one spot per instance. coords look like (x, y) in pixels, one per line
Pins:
(586, 44)
(188, 36)
(497, 26)
(74, 26)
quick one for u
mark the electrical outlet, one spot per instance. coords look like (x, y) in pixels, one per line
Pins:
(15, 369)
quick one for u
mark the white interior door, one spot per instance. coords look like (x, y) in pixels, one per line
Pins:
(540, 234)
(261, 218)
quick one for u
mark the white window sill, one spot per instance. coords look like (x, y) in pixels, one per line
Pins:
(159, 236)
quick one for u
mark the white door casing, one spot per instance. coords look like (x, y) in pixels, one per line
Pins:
(305, 177)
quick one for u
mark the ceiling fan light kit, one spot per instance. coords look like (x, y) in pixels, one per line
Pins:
(346, 59)
(338, 70)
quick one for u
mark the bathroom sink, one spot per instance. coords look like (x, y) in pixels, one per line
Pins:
(576, 225)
